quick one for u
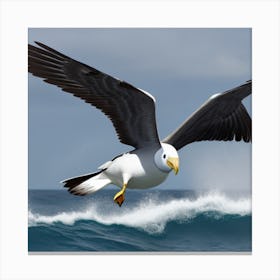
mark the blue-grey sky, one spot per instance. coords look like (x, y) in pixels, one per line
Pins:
(181, 68)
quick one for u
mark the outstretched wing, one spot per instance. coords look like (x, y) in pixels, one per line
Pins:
(131, 110)
(221, 117)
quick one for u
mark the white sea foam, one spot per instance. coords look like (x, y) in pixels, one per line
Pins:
(153, 214)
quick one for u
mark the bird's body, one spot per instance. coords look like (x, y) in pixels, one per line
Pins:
(132, 112)
(139, 167)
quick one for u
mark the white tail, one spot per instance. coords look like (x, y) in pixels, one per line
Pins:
(87, 184)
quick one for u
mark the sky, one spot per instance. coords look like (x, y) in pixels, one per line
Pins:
(181, 68)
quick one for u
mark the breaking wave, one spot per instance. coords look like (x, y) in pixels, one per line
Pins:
(153, 215)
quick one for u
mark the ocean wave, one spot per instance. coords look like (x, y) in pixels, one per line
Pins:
(152, 215)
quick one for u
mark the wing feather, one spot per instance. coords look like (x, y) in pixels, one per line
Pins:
(131, 110)
(223, 117)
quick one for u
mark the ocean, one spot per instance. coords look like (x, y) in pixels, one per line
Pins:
(148, 221)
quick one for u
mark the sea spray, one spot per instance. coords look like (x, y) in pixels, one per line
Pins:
(151, 214)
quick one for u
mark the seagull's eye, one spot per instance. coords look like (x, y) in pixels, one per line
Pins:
(164, 156)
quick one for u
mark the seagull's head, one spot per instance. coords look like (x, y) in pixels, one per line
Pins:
(167, 159)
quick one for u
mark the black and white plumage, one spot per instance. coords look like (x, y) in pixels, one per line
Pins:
(132, 112)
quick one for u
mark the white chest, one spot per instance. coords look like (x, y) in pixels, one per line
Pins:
(139, 170)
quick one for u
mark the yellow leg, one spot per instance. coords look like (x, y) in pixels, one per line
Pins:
(119, 197)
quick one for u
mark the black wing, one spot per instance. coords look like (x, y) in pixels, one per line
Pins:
(221, 117)
(131, 110)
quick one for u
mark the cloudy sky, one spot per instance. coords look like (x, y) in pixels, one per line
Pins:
(181, 68)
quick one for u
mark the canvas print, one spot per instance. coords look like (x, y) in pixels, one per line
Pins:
(139, 140)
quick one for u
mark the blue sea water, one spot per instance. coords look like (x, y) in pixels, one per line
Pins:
(149, 221)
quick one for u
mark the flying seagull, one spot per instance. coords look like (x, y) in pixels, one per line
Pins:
(132, 111)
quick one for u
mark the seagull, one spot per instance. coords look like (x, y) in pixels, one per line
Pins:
(222, 117)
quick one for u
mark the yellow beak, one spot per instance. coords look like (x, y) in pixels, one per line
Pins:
(173, 163)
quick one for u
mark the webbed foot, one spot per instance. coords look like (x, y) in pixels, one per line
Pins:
(119, 197)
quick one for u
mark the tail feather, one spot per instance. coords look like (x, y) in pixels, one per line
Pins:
(87, 184)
